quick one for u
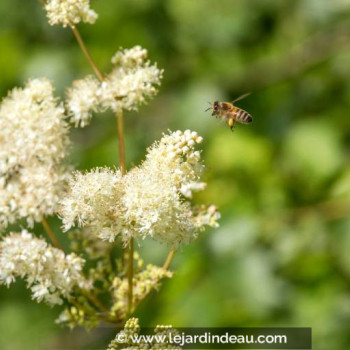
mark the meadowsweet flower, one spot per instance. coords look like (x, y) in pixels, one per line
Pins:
(82, 100)
(153, 208)
(178, 161)
(91, 202)
(206, 216)
(153, 199)
(32, 126)
(130, 58)
(33, 137)
(131, 82)
(30, 193)
(187, 189)
(69, 12)
(149, 201)
(50, 274)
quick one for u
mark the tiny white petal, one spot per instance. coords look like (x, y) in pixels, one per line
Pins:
(49, 273)
(68, 12)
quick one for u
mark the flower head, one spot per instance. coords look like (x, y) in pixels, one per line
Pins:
(131, 82)
(32, 126)
(69, 12)
(34, 139)
(50, 274)
(153, 203)
(82, 100)
(31, 192)
(130, 58)
(90, 202)
(149, 201)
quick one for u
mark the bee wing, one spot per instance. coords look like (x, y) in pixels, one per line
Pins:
(241, 97)
(223, 118)
(225, 107)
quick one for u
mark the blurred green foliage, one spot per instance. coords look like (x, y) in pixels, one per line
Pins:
(281, 256)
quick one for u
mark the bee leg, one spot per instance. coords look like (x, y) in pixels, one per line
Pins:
(231, 123)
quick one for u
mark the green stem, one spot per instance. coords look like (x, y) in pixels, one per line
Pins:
(130, 276)
(169, 259)
(121, 142)
(50, 233)
(86, 52)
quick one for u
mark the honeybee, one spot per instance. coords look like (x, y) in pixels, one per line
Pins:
(230, 113)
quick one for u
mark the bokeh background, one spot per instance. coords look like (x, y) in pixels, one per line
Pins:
(281, 256)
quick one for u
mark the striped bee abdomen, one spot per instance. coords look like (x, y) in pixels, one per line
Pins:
(242, 116)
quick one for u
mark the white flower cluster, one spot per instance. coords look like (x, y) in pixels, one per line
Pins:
(33, 139)
(49, 273)
(131, 82)
(82, 100)
(153, 203)
(206, 216)
(91, 202)
(149, 201)
(69, 12)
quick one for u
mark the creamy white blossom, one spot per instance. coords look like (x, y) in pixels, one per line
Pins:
(131, 82)
(91, 201)
(82, 100)
(153, 207)
(187, 189)
(69, 12)
(153, 200)
(129, 58)
(177, 160)
(32, 126)
(50, 274)
(30, 193)
(149, 201)
(204, 215)
(34, 140)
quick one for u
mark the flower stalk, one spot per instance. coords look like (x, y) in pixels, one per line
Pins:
(169, 259)
(121, 143)
(50, 233)
(130, 276)
(86, 53)
(96, 302)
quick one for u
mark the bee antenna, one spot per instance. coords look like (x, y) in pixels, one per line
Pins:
(208, 109)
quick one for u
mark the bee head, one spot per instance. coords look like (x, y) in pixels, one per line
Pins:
(215, 108)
